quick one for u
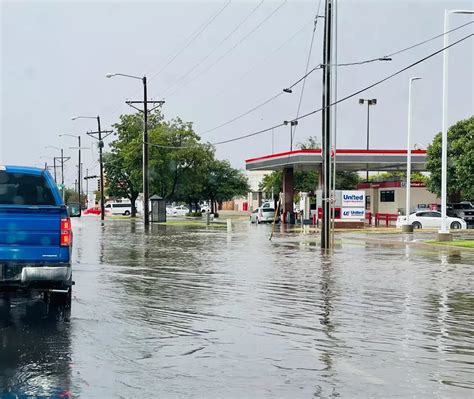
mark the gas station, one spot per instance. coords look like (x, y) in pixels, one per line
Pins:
(378, 198)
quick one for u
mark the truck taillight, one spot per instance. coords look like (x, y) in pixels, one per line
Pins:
(66, 232)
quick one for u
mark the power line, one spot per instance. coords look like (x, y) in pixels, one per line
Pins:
(288, 89)
(348, 96)
(277, 49)
(388, 77)
(386, 57)
(429, 40)
(214, 49)
(267, 57)
(306, 71)
(243, 114)
(194, 36)
(228, 51)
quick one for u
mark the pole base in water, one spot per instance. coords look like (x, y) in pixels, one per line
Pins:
(407, 228)
(442, 236)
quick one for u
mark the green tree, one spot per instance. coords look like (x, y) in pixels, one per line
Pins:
(123, 164)
(223, 183)
(70, 195)
(178, 161)
(460, 171)
(122, 178)
(311, 143)
(415, 176)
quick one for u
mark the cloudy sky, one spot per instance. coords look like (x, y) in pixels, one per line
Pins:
(212, 61)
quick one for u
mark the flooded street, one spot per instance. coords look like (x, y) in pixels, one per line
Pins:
(186, 311)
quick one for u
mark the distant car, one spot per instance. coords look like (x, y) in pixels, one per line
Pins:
(463, 210)
(91, 211)
(262, 215)
(430, 219)
(179, 210)
(119, 208)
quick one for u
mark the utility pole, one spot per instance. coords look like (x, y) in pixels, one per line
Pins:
(54, 166)
(145, 102)
(146, 179)
(87, 185)
(326, 129)
(62, 160)
(101, 135)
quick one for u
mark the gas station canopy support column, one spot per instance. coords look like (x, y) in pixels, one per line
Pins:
(288, 189)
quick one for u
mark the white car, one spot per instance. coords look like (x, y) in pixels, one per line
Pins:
(262, 215)
(179, 210)
(430, 219)
(118, 208)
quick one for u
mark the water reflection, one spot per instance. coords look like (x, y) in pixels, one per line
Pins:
(181, 311)
(35, 352)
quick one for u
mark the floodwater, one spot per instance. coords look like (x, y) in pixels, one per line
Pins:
(188, 312)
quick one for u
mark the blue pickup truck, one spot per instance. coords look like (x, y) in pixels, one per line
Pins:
(35, 237)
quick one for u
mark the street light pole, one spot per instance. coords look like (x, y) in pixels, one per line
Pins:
(54, 166)
(443, 234)
(62, 172)
(79, 165)
(407, 227)
(372, 101)
(145, 172)
(291, 123)
(101, 164)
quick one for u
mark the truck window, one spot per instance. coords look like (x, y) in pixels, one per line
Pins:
(24, 189)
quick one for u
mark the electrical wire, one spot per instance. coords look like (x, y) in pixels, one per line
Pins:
(194, 36)
(289, 40)
(180, 79)
(386, 57)
(303, 79)
(387, 78)
(348, 96)
(306, 71)
(243, 114)
(228, 51)
(265, 59)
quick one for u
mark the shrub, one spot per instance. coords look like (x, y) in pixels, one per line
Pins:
(194, 214)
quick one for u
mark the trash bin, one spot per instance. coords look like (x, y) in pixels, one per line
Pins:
(158, 209)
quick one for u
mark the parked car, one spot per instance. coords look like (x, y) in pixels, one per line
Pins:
(262, 215)
(179, 210)
(91, 211)
(118, 208)
(430, 219)
(35, 255)
(462, 210)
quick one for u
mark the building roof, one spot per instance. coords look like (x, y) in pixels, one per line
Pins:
(346, 159)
